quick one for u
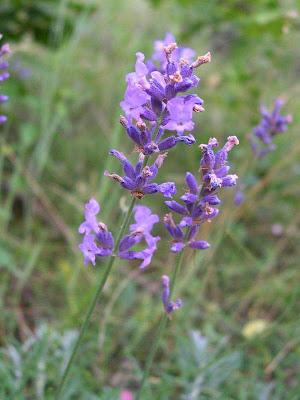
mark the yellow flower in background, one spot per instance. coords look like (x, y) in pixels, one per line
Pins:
(255, 327)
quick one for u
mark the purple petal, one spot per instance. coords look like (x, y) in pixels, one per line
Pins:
(168, 189)
(189, 198)
(167, 143)
(151, 188)
(229, 180)
(128, 241)
(178, 208)
(191, 181)
(199, 244)
(177, 247)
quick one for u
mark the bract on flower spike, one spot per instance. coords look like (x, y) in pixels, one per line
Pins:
(4, 51)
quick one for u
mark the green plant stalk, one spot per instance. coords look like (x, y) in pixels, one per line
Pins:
(163, 320)
(101, 284)
(160, 329)
(94, 300)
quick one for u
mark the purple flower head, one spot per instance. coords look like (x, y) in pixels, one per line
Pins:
(97, 240)
(151, 105)
(140, 231)
(4, 51)
(271, 124)
(198, 203)
(169, 306)
(138, 179)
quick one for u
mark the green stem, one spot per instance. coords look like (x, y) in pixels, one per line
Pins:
(160, 329)
(94, 300)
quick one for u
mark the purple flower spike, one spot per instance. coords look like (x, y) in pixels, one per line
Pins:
(4, 51)
(169, 306)
(97, 240)
(272, 124)
(140, 231)
(199, 201)
(151, 103)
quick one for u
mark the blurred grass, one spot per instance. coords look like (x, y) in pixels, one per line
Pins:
(62, 120)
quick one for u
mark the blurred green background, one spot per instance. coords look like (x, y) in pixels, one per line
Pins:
(237, 336)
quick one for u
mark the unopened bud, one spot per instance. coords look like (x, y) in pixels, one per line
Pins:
(206, 58)
(183, 61)
(113, 176)
(141, 125)
(146, 172)
(213, 142)
(169, 49)
(176, 77)
(198, 108)
(141, 157)
(231, 142)
(168, 219)
(160, 159)
(123, 121)
(102, 226)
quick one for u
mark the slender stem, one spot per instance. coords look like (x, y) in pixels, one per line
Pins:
(93, 302)
(161, 326)
(152, 352)
(176, 271)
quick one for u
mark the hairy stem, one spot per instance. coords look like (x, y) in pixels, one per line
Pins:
(160, 329)
(94, 300)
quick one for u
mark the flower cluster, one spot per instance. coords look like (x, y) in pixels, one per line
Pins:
(169, 306)
(156, 102)
(272, 124)
(199, 201)
(4, 50)
(98, 241)
(138, 179)
(140, 231)
(153, 105)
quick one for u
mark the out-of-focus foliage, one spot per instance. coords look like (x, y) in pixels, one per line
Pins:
(48, 21)
(238, 17)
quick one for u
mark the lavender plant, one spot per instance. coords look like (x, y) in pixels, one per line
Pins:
(154, 104)
(199, 206)
(262, 138)
(271, 125)
(4, 74)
